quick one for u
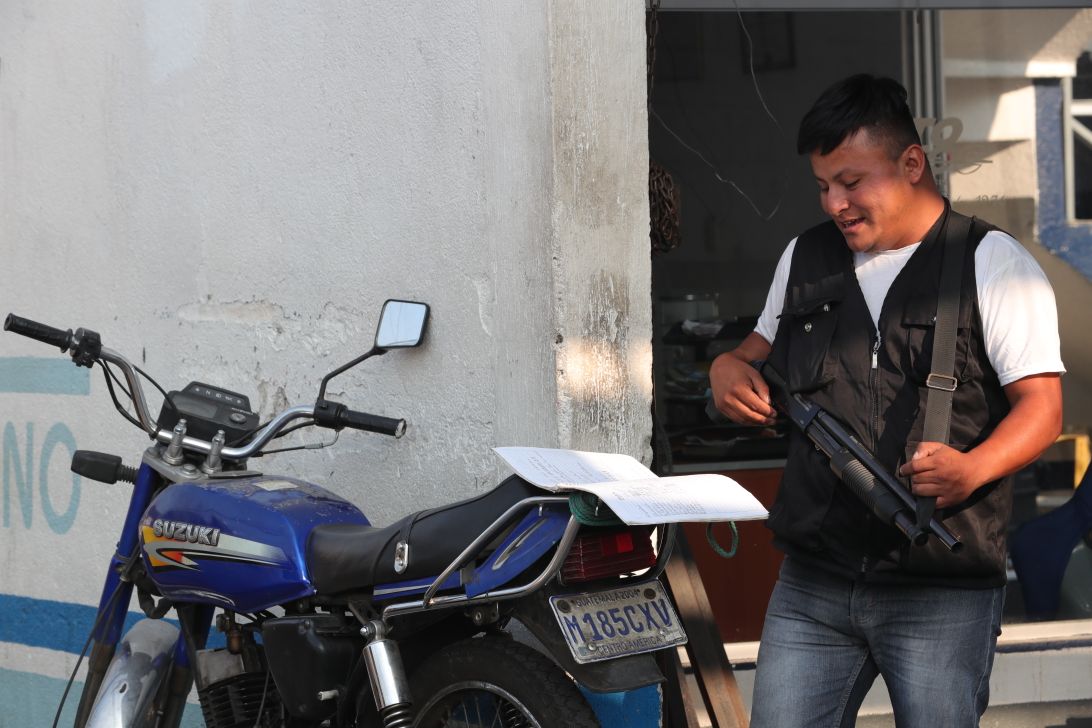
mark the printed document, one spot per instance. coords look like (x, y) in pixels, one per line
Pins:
(632, 491)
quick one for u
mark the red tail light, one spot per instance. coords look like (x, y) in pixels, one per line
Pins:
(598, 553)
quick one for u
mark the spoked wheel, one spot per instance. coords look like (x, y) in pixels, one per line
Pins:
(477, 704)
(493, 682)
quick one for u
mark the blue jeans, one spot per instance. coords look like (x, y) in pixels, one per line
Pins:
(825, 639)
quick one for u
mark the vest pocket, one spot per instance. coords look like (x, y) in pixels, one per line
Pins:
(804, 497)
(810, 327)
(982, 527)
(919, 322)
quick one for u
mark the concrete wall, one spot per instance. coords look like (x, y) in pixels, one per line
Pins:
(227, 192)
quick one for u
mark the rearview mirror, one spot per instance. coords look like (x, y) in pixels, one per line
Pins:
(401, 324)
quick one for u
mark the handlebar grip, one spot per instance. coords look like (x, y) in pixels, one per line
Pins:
(372, 423)
(39, 332)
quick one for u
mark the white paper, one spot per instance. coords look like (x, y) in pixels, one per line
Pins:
(565, 469)
(633, 491)
(679, 498)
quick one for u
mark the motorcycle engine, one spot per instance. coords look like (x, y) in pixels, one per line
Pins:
(238, 691)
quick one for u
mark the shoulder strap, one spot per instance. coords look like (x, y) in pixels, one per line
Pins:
(942, 381)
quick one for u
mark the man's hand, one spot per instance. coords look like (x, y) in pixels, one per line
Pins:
(1032, 424)
(739, 391)
(939, 470)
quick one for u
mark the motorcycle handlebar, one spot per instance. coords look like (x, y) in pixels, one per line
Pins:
(342, 416)
(337, 416)
(372, 423)
(38, 332)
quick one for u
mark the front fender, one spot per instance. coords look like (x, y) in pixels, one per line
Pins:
(140, 665)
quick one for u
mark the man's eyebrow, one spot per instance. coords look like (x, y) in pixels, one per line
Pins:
(841, 174)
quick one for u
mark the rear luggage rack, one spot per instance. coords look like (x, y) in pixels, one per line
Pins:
(430, 600)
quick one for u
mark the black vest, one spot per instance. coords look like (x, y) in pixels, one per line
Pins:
(827, 347)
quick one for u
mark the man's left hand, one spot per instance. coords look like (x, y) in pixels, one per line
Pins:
(936, 469)
(1030, 426)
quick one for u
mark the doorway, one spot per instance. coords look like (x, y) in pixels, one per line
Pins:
(728, 89)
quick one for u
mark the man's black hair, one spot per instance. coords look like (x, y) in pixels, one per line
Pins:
(855, 103)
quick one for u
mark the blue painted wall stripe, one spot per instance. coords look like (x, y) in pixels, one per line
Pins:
(59, 625)
(45, 623)
(27, 699)
(43, 375)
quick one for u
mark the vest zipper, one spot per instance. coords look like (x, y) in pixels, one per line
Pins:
(873, 384)
(874, 433)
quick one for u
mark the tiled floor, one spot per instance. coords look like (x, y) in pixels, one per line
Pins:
(1076, 714)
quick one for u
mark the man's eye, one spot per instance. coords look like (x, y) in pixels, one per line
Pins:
(853, 184)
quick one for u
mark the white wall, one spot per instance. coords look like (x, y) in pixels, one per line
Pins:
(227, 192)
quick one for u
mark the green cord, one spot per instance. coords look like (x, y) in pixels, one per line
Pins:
(717, 547)
(590, 511)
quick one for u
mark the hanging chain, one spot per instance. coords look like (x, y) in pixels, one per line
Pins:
(663, 209)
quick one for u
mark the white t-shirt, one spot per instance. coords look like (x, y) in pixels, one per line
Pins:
(1019, 314)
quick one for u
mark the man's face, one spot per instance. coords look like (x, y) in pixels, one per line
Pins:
(867, 193)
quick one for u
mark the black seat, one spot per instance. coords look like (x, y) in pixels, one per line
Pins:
(347, 557)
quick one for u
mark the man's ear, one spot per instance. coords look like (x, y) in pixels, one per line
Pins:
(913, 163)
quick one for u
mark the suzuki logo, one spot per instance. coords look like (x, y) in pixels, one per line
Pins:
(179, 531)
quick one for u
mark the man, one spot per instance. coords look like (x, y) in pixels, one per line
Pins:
(849, 322)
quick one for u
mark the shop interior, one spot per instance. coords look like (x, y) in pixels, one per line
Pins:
(728, 89)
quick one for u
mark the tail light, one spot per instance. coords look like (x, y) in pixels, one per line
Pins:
(599, 553)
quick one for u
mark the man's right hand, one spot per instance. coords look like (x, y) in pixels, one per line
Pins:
(739, 391)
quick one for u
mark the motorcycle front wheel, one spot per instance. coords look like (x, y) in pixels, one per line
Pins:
(494, 682)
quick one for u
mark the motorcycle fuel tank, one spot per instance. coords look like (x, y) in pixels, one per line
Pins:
(237, 543)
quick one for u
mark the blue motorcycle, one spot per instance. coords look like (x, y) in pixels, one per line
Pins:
(328, 620)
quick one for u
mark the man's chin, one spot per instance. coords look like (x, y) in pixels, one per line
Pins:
(857, 242)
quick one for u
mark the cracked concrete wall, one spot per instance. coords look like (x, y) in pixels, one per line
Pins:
(603, 298)
(228, 192)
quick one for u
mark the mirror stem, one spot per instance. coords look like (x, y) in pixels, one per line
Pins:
(374, 351)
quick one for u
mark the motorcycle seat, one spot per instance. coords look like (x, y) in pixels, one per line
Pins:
(352, 557)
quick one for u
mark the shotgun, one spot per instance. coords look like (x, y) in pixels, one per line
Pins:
(851, 461)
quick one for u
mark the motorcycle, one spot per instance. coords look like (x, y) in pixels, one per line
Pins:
(328, 620)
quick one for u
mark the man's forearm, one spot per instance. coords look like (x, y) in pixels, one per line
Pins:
(1031, 426)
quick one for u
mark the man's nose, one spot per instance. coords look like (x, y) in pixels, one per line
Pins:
(835, 202)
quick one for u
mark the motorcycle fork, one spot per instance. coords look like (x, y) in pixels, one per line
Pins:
(195, 622)
(387, 676)
(117, 590)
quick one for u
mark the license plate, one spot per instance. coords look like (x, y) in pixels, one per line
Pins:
(626, 621)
